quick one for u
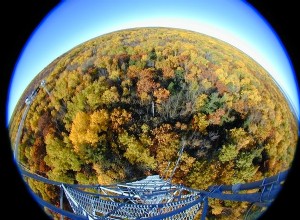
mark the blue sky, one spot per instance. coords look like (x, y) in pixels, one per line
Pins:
(75, 21)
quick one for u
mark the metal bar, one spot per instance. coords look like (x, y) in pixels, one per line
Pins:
(205, 208)
(247, 197)
(61, 201)
(258, 184)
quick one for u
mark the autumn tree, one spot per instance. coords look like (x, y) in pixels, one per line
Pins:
(37, 154)
(166, 144)
(136, 152)
(202, 175)
(119, 107)
(61, 160)
(161, 95)
(119, 117)
(146, 85)
(86, 128)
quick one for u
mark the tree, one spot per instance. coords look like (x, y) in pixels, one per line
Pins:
(93, 93)
(102, 177)
(47, 192)
(216, 117)
(161, 95)
(200, 122)
(168, 72)
(60, 159)
(245, 167)
(165, 144)
(110, 96)
(133, 71)
(213, 103)
(45, 124)
(83, 178)
(119, 117)
(200, 102)
(37, 154)
(202, 175)
(240, 138)
(86, 128)
(136, 152)
(186, 163)
(146, 85)
(78, 104)
(79, 128)
(228, 153)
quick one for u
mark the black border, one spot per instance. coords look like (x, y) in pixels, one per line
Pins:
(19, 20)
(283, 16)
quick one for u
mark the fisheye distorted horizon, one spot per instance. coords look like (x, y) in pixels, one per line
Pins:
(74, 22)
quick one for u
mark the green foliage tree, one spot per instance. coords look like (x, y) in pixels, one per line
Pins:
(228, 153)
(135, 152)
(61, 160)
(207, 172)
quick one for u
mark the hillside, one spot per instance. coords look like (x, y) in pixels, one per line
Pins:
(122, 105)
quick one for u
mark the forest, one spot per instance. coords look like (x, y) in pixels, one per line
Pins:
(120, 107)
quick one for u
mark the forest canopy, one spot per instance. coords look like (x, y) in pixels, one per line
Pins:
(120, 107)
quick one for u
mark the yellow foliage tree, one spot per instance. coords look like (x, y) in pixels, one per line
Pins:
(85, 127)
(200, 122)
(200, 101)
(110, 96)
(241, 138)
(103, 178)
(166, 142)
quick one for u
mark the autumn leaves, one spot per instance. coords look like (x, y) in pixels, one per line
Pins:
(123, 104)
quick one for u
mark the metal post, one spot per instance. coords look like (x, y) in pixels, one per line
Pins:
(61, 202)
(205, 208)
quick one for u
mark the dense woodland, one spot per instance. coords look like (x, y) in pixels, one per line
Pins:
(121, 106)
